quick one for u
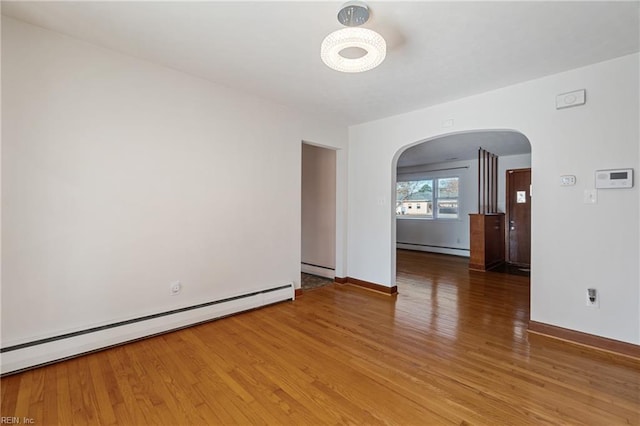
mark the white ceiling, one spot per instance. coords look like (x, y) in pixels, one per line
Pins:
(437, 51)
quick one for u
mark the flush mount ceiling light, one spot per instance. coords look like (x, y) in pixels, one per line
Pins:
(353, 49)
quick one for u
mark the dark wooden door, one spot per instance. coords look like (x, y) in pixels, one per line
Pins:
(519, 217)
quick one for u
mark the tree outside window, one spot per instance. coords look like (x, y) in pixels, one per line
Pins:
(418, 194)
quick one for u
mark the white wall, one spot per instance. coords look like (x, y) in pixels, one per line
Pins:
(318, 206)
(574, 245)
(120, 176)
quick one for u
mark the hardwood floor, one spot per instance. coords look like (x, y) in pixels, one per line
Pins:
(451, 347)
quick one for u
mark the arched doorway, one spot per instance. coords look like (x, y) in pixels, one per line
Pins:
(436, 188)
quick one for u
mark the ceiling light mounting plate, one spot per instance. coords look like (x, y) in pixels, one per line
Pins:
(353, 14)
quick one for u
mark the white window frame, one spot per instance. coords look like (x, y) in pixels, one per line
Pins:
(434, 200)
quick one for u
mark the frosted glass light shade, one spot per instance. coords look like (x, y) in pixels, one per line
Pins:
(363, 38)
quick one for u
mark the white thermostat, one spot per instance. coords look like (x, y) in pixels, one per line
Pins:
(613, 179)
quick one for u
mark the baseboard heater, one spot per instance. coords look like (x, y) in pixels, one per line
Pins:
(433, 246)
(322, 271)
(27, 355)
(456, 251)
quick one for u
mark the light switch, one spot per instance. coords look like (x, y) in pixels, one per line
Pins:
(590, 196)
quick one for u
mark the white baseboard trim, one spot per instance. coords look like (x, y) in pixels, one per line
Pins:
(433, 249)
(19, 357)
(318, 270)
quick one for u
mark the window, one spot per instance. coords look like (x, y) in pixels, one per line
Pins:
(421, 194)
(448, 198)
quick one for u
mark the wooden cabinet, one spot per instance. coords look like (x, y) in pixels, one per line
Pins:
(487, 241)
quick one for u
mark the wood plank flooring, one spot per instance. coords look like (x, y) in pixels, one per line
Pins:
(450, 348)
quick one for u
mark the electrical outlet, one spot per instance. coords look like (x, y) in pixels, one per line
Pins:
(175, 288)
(593, 299)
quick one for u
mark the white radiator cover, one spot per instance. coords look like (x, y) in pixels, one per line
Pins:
(318, 270)
(66, 347)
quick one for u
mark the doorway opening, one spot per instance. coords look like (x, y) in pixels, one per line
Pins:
(439, 179)
(318, 238)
